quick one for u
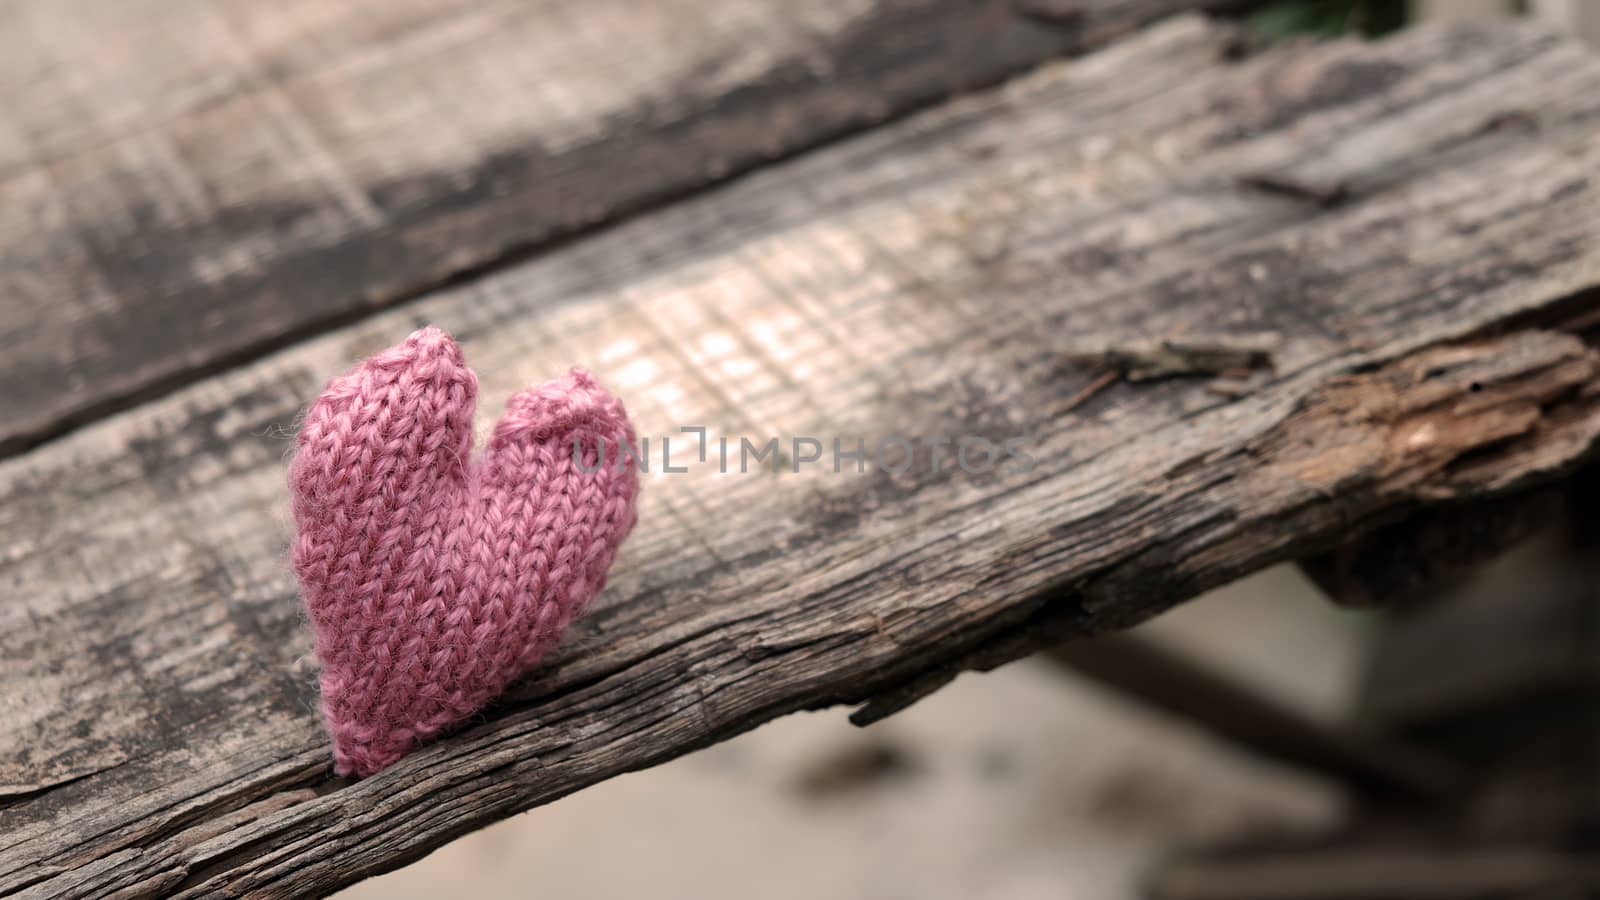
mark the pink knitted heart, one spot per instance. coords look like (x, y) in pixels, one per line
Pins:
(433, 580)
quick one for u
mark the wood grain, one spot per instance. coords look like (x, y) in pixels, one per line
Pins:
(158, 733)
(186, 185)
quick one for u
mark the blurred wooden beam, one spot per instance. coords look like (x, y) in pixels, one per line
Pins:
(1236, 713)
(1425, 553)
(1384, 873)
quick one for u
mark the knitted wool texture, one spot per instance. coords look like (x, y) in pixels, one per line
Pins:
(433, 579)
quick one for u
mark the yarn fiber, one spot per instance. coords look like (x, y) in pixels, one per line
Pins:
(432, 579)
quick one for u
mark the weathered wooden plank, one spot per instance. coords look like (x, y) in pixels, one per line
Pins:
(158, 733)
(184, 185)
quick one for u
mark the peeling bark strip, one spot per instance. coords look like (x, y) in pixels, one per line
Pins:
(159, 734)
(1446, 422)
(184, 185)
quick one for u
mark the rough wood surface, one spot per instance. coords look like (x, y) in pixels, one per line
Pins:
(185, 185)
(157, 724)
